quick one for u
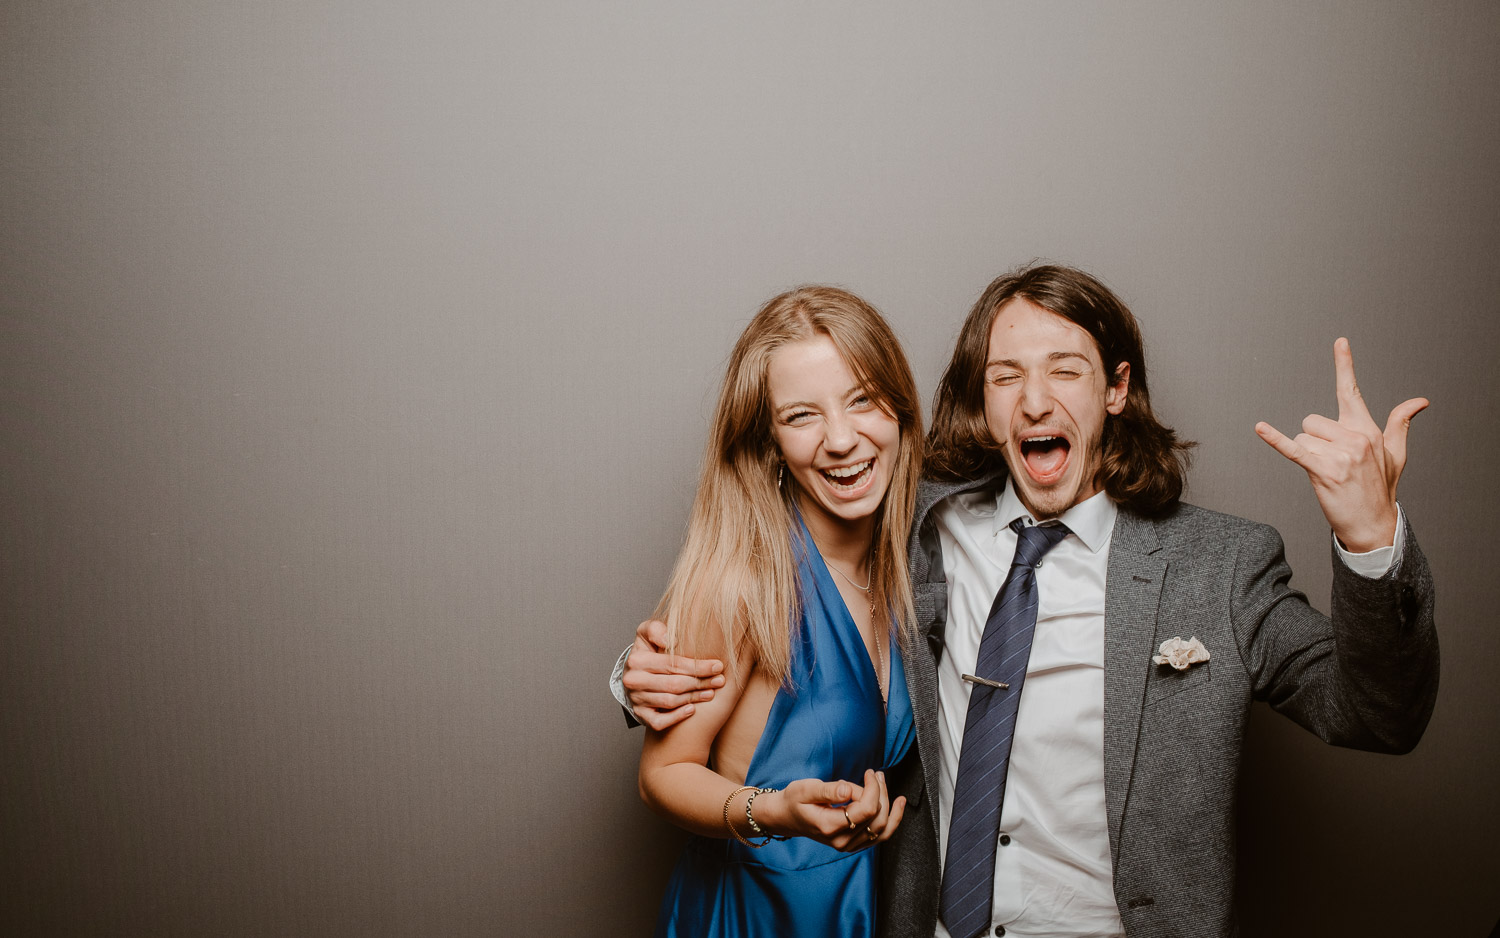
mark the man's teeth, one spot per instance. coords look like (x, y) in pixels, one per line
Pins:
(848, 471)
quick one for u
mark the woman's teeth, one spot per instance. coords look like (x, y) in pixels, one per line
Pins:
(846, 478)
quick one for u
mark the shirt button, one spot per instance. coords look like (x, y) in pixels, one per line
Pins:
(999, 931)
(1005, 840)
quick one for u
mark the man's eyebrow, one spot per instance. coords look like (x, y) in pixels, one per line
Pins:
(1053, 357)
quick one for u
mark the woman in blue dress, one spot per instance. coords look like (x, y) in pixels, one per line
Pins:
(793, 572)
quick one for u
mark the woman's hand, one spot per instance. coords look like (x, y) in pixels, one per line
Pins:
(843, 815)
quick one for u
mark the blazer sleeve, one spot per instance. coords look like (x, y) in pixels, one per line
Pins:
(617, 689)
(1367, 677)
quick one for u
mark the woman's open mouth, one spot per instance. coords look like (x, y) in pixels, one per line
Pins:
(849, 478)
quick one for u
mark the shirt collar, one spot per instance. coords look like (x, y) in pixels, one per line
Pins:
(1091, 519)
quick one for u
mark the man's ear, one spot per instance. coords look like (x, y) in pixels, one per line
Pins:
(1115, 394)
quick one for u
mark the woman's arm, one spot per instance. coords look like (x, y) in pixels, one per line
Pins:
(675, 781)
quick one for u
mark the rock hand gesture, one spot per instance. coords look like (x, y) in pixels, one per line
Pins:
(1354, 465)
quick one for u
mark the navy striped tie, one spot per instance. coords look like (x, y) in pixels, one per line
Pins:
(979, 792)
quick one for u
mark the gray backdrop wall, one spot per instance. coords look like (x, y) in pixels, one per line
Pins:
(356, 359)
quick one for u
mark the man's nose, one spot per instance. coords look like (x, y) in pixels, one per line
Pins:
(1036, 399)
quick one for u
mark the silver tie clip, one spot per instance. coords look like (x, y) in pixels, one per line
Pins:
(973, 679)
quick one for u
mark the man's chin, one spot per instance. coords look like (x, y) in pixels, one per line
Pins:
(1044, 501)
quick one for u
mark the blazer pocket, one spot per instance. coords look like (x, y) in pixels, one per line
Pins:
(1166, 681)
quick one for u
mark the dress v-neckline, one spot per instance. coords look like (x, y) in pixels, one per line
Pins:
(825, 580)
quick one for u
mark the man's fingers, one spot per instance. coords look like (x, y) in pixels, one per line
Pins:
(1351, 402)
(655, 675)
(1397, 425)
(658, 681)
(658, 701)
(705, 672)
(1316, 425)
(1281, 443)
(650, 654)
(699, 668)
(654, 633)
(661, 719)
(651, 639)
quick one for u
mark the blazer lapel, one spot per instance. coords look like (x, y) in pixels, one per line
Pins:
(1132, 593)
(925, 558)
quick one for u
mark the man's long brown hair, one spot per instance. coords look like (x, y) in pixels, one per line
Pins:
(1143, 464)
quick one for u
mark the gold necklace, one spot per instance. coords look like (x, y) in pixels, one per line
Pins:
(874, 628)
(862, 589)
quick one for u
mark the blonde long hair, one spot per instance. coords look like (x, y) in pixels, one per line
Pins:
(737, 571)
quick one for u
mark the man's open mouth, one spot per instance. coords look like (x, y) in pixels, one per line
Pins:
(1045, 457)
(849, 478)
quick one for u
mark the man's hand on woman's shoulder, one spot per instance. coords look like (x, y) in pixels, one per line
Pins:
(662, 688)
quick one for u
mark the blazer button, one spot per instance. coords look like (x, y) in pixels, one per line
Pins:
(999, 931)
(1005, 840)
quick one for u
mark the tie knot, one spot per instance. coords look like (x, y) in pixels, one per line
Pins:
(1033, 541)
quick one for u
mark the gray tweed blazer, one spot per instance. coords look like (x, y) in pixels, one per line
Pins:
(1366, 678)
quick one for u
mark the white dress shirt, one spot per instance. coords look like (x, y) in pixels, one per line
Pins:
(1052, 868)
(1052, 871)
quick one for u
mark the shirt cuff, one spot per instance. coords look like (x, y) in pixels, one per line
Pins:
(617, 681)
(1374, 564)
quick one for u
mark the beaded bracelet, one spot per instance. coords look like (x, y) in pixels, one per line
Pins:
(749, 805)
(759, 832)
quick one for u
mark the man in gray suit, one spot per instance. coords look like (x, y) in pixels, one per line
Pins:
(1154, 626)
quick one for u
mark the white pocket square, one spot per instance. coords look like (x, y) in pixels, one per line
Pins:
(1181, 654)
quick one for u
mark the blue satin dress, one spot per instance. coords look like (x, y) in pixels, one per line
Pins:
(830, 726)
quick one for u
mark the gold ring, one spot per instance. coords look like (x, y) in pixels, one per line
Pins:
(871, 834)
(849, 819)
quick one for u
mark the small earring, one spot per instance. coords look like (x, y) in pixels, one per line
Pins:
(779, 471)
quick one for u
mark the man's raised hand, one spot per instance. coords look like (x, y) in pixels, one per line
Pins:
(1354, 465)
(662, 688)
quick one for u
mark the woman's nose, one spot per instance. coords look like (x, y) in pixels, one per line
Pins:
(841, 436)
